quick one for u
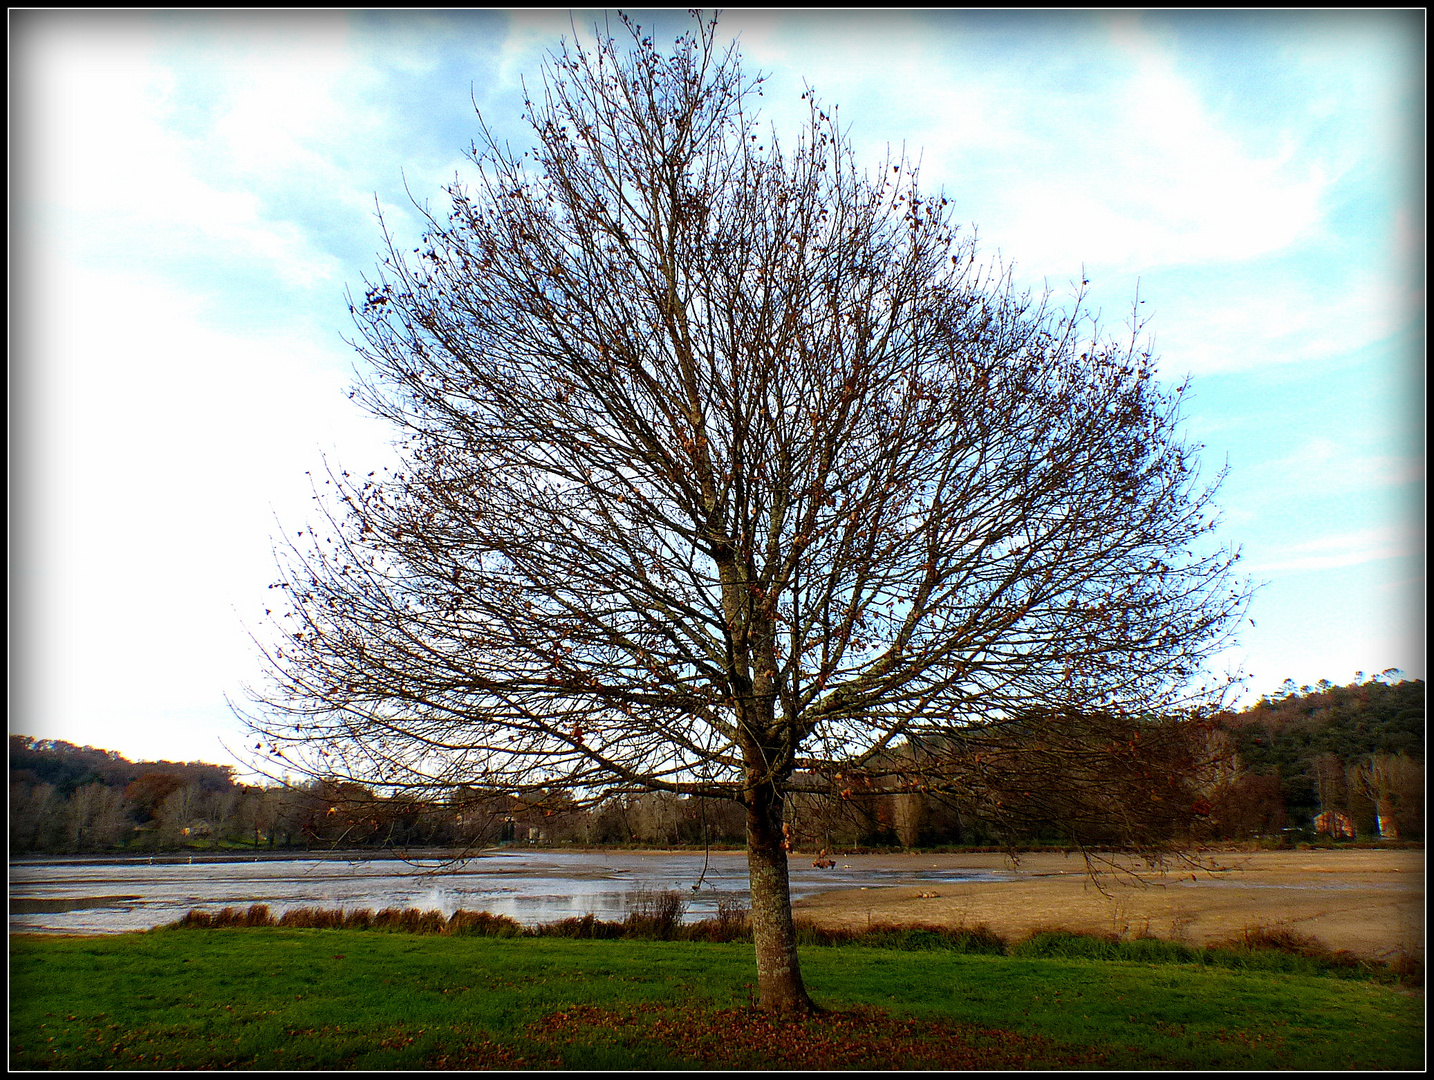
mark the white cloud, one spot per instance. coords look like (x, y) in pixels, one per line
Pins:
(102, 165)
(1147, 176)
(1320, 465)
(1345, 549)
(1222, 329)
(285, 95)
(532, 33)
(1104, 155)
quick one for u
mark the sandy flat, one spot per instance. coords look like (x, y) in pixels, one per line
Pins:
(1369, 902)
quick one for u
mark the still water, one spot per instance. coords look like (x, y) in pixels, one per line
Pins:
(99, 895)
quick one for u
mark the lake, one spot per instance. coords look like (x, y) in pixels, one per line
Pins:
(101, 895)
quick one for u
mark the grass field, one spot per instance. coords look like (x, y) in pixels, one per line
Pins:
(282, 998)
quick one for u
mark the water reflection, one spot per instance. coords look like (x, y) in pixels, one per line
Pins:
(97, 896)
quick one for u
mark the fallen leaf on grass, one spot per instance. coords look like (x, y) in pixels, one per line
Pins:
(481, 1054)
(746, 1037)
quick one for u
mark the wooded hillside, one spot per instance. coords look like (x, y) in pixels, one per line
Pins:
(1356, 750)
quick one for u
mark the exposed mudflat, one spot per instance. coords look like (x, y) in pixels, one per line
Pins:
(1369, 902)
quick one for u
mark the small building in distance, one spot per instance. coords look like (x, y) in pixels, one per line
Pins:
(1335, 824)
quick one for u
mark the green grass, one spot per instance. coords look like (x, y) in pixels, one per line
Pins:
(276, 998)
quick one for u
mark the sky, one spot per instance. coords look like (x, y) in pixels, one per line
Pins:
(192, 193)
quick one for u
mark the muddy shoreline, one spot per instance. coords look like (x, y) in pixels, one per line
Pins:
(1369, 902)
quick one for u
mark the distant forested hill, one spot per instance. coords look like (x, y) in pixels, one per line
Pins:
(1361, 718)
(1356, 750)
(66, 767)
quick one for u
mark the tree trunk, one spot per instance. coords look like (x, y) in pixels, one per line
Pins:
(779, 977)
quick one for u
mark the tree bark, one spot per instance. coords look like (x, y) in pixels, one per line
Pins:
(779, 976)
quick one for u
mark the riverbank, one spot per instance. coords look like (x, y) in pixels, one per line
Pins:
(1369, 902)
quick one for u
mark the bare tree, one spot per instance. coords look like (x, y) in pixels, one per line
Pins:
(97, 817)
(1394, 784)
(36, 817)
(179, 816)
(728, 469)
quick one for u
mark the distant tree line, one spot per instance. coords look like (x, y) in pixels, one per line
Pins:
(66, 798)
(1345, 759)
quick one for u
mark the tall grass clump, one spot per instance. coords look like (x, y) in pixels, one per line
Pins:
(587, 927)
(313, 918)
(657, 916)
(254, 915)
(654, 913)
(400, 920)
(1407, 967)
(1256, 948)
(483, 924)
(979, 939)
(1071, 945)
(733, 922)
(1278, 948)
